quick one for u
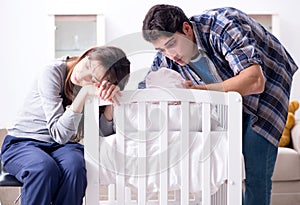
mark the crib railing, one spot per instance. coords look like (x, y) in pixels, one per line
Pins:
(229, 108)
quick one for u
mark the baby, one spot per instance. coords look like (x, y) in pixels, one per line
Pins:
(164, 78)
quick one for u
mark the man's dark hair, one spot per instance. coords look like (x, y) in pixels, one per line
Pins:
(163, 20)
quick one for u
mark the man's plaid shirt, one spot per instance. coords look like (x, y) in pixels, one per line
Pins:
(234, 41)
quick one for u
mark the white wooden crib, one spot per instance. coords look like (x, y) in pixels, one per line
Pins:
(228, 110)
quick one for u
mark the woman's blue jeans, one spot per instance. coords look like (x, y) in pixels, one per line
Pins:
(260, 157)
(51, 173)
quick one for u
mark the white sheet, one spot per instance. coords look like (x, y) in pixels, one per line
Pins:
(154, 123)
(109, 158)
(109, 162)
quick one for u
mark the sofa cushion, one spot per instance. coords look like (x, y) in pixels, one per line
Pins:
(287, 167)
(295, 135)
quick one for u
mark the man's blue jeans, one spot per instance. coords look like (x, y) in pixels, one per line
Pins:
(260, 157)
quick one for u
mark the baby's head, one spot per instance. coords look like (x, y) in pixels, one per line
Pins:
(164, 78)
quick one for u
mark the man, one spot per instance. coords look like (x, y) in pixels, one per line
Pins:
(226, 50)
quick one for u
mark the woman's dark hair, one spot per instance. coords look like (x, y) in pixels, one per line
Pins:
(116, 63)
(163, 20)
(111, 58)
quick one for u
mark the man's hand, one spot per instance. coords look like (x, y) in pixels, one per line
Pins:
(189, 84)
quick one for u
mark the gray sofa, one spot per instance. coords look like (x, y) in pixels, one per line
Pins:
(286, 178)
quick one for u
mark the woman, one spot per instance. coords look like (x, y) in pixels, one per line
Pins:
(42, 148)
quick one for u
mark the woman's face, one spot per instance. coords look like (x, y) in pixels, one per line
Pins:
(87, 72)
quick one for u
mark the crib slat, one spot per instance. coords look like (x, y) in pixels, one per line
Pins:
(142, 154)
(111, 192)
(185, 112)
(163, 194)
(120, 178)
(234, 149)
(127, 195)
(91, 142)
(205, 178)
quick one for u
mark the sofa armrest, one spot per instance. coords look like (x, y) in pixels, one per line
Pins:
(3, 133)
(295, 135)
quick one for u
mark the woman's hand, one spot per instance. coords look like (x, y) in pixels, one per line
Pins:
(105, 90)
(108, 91)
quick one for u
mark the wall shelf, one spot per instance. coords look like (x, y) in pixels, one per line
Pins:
(73, 33)
(269, 21)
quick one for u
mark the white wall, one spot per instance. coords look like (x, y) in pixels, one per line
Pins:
(24, 37)
(124, 19)
(22, 48)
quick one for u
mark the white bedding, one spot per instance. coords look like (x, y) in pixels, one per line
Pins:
(153, 121)
(109, 157)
